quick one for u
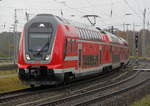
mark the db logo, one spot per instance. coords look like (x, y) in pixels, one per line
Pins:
(37, 62)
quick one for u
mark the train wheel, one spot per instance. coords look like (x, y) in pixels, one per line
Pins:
(69, 77)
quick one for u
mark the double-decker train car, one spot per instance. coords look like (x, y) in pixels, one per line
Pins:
(54, 50)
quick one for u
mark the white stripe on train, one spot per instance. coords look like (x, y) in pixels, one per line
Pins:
(71, 58)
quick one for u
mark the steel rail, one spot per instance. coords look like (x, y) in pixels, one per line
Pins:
(46, 101)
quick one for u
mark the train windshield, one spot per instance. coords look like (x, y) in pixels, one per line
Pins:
(39, 42)
(39, 37)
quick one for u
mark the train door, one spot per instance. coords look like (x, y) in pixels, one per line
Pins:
(100, 56)
(80, 57)
(111, 54)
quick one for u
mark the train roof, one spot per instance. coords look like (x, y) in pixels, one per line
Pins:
(99, 34)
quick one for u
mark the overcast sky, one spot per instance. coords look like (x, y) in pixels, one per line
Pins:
(78, 8)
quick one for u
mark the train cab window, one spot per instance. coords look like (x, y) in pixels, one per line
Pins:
(39, 37)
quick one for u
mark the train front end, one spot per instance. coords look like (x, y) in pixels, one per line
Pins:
(39, 51)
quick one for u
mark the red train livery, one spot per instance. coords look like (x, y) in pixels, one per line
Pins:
(53, 50)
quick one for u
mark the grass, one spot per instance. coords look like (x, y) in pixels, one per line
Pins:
(10, 83)
(143, 102)
(141, 58)
(6, 72)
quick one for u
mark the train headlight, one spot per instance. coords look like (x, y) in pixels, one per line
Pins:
(28, 57)
(47, 57)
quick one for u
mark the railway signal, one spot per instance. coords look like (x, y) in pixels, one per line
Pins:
(136, 46)
(136, 40)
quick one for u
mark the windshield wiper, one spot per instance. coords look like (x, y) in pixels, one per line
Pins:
(47, 44)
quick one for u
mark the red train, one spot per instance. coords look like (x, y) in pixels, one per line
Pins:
(53, 49)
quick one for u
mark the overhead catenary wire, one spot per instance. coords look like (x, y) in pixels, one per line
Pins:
(130, 7)
(79, 10)
(138, 5)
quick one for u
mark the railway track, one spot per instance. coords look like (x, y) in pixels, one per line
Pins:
(14, 97)
(73, 90)
(8, 66)
(109, 95)
(80, 95)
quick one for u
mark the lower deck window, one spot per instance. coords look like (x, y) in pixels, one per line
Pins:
(90, 60)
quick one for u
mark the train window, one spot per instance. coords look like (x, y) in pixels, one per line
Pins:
(75, 46)
(70, 45)
(100, 55)
(80, 33)
(104, 49)
(93, 35)
(65, 48)
(96, 35)
(85, 32)
(100, 36)
(39, 41)
(90, 60)
(79, 57)
(110, 49)
(89, 34)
